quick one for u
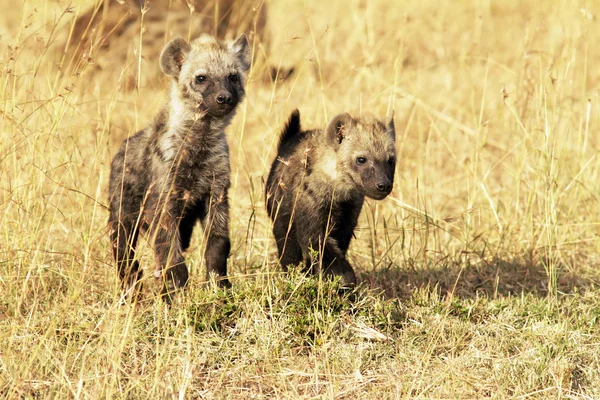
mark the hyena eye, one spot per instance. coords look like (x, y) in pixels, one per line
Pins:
(392, 160)
(234, 77)
(361, 160)
(200, 79)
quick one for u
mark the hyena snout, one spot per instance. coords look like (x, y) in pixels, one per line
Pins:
(380, 190)
(224, 98)
(222, 102)
(384, 186)
(378, 186)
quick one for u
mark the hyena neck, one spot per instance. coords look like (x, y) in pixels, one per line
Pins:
(188, 133)
(328, 176)
(186, 117)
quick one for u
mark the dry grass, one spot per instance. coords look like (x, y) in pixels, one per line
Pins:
(479, 271)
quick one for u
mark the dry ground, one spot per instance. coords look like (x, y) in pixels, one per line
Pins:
(480, 271)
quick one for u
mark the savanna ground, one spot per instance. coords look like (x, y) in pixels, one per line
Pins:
(479, 272)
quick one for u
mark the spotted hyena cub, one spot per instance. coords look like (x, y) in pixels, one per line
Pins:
(176, 171)
(317, 186)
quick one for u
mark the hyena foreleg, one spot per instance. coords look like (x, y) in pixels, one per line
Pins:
(124, 236)
(288, 249)
(124, 232)
(331, 260)
(216, 230)
(187, 224)
(168, 250)
(343, 232)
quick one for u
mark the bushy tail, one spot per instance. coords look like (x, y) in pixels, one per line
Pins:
(292, 128)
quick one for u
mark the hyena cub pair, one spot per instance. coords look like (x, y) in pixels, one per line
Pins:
(317, 186)
(176, 171)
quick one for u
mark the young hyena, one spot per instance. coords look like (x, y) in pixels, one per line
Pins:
(317, 186)
(176, 172)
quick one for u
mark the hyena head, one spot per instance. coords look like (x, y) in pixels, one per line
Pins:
(209, 73)
(366, 152)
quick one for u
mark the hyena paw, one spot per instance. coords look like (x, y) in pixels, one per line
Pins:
(224, 283)
(176, 278)
(346, 274)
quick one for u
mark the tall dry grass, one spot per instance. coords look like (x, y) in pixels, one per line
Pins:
(479, 271)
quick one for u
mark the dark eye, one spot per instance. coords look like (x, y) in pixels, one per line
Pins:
(392, 160)
(200, 79)
(234, 77)
(361, 160)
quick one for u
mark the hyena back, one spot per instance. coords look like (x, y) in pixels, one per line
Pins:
(176, 171)
(317, 186)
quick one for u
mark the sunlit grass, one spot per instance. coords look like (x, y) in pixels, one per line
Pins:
(479, 272)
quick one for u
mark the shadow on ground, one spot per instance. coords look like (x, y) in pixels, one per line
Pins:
(495, 278)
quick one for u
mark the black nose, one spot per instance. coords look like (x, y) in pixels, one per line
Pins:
(384, 187)
(224, 98)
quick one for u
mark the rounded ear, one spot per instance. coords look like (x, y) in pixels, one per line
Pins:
(390, 128)
(337, 128)
(173, 55)
(241, 49)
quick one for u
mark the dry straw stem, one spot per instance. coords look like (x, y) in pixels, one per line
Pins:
(479, 272)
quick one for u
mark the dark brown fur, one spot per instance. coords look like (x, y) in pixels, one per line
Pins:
(176, 172)
(317, 186)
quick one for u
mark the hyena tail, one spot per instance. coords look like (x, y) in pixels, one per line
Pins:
(291, 130)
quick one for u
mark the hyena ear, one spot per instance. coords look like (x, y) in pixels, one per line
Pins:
(390, 128)
(173, 55)
(337, 129)
(241, 49)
